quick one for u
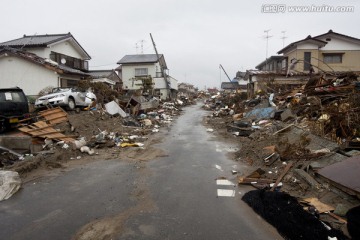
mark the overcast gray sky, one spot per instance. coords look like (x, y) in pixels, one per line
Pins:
(194, 35)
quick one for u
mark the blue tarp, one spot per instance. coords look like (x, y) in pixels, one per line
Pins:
(261, 113)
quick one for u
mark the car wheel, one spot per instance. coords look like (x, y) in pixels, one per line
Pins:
(71, 104)
(3, 126)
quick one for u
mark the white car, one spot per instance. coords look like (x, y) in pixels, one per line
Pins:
(66, 97)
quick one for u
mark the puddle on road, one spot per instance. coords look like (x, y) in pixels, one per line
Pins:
(221, 148)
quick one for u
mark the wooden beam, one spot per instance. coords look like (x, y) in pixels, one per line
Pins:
(287, 168)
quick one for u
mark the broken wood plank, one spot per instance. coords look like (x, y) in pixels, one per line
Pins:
(337, 217)
(246, 180)
(320, 206)
(54, 116)
(287, 168)
(283, 129)
(307, 178)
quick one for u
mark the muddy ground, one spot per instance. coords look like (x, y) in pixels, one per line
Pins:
(89, 124)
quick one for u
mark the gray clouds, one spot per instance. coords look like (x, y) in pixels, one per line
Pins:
(194, 35)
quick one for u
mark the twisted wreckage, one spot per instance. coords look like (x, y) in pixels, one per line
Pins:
(302, 142)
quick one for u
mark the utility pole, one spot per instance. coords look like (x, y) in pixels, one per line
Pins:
(142, 46)
(267, 45)
(225, 72)
(161, 66)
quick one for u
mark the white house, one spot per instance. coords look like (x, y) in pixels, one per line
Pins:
(35, 62)
(147, 72)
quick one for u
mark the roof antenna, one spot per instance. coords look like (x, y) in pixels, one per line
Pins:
(28, 41)
(283, 38)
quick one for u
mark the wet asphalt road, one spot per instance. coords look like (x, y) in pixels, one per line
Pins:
(171, 197)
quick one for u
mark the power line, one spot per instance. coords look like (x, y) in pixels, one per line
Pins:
(103, 65)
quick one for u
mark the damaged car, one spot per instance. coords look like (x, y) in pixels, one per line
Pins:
(69, 98)
(13, 107)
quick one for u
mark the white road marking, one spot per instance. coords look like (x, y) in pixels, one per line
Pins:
(224, 182)
(225, 193)
(219, 167)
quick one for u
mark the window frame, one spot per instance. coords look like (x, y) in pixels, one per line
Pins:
(307, 61)
(331, 57)
(141, 72)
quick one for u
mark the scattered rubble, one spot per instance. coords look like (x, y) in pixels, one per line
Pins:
(10, 183)
(109, 131)
(302, 141)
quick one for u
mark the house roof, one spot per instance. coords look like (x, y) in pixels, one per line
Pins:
(36, 41)
(142, 58)
(240, 74)
(100, 73)
(308, 39)
(232, 85)
(270, 59)
(51, 65)
(105, 74)
(332, 33)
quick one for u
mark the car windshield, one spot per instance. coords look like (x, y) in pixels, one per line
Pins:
(57, 90)
(12, 97)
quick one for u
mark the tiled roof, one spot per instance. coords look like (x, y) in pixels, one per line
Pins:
(331, 32)
(71, 70)
(307, 39)
(270, 59)
(101, 73)
(36, 40)
(139, 58)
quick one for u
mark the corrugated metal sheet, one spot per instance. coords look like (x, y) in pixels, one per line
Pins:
(345, 173)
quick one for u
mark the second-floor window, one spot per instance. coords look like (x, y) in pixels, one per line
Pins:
(141, 72)
(69, 61)
(333, 57)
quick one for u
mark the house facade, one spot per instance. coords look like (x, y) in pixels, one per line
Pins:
(109, 77)
(328, 52)
(39, 61)
(186, 90)
(275, 64)
(147, 73)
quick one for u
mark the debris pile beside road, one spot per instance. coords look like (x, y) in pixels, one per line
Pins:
(303, 142)
(59, 136)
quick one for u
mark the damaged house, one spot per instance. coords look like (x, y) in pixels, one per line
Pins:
(39, 61)
(109, 77)
(147, 73)
(326, 55)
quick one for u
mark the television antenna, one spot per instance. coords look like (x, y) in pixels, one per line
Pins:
(283, 37)
(267, 45)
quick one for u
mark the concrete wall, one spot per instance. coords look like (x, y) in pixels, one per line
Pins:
(339, 44)
(350, 58)
(350, 61)
(299, 55)
(65, 47)
(128, 73)
(31, 77)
